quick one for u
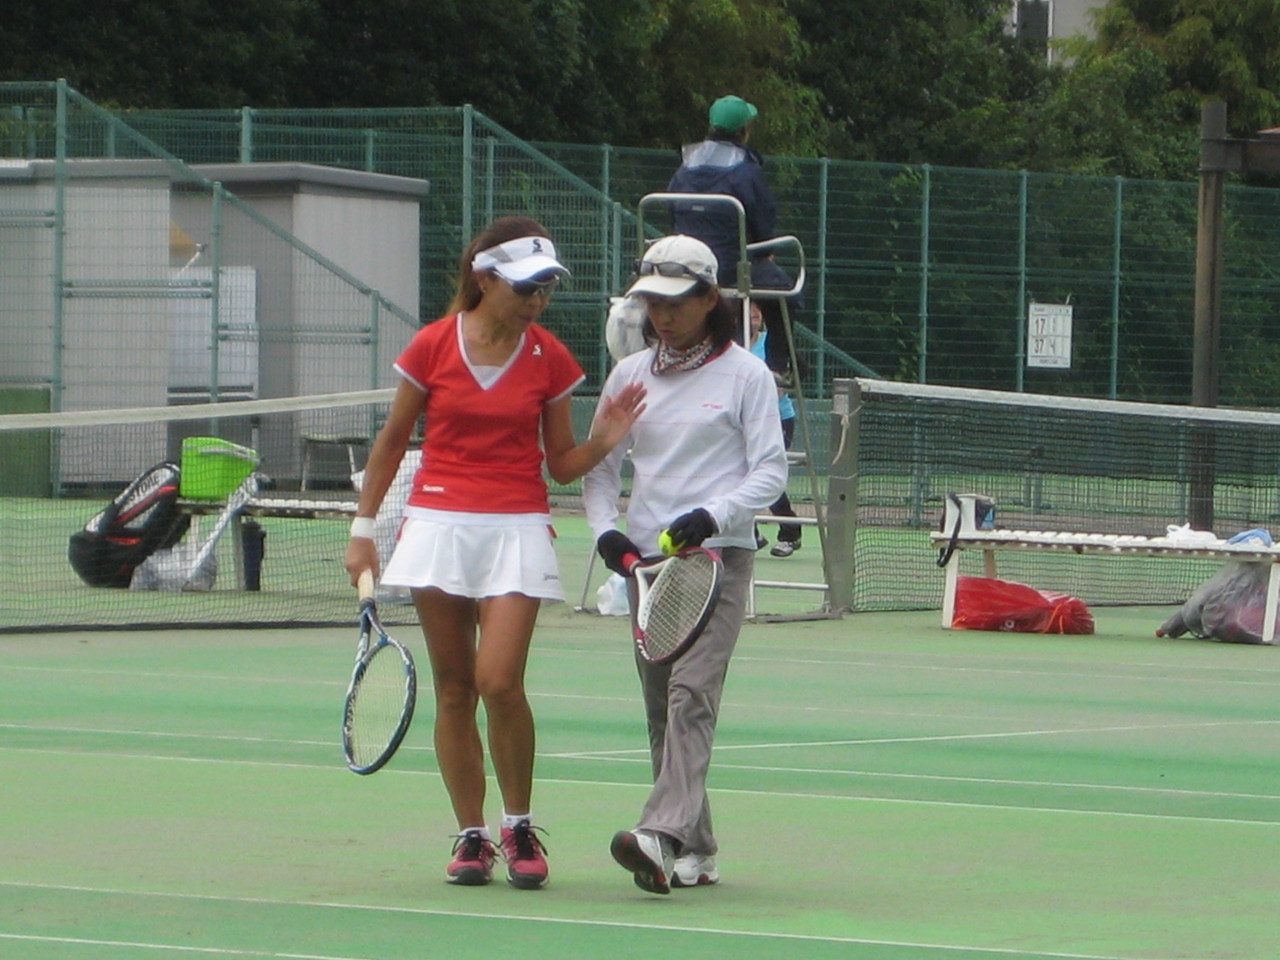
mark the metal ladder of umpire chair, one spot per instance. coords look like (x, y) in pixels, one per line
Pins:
(833, 590)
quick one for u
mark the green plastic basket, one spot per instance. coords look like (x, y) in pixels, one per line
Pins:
(213, 467)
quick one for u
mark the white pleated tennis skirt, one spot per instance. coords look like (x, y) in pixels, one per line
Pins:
(476, 554)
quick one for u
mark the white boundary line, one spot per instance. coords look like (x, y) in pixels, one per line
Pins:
(336, 768)
(520, 918)
(1194, 673)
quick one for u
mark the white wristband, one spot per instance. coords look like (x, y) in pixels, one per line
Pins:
(362, 527)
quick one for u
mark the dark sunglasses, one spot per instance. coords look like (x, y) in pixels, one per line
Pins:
(646, 268)
(532, 288)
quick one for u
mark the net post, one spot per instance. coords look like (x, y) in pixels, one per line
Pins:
(842, 492)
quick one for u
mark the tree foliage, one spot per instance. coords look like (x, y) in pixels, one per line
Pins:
(937, 81)
(1130, 102)
(149, 53)
(1211, 48)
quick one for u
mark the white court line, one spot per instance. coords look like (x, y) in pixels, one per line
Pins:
(290, 681)
(986, 781)
(938, 738)
(1196, 673)
(769, 794)
(167, 735)
(522, 918)
(1161, 674)
(644, 751)
(282, 678)
(641, 754)
(958, 662)
(175, 947)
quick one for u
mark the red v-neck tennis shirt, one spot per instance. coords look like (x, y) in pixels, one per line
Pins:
(482, 450)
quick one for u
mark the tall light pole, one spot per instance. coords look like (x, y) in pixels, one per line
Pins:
(1219, 155)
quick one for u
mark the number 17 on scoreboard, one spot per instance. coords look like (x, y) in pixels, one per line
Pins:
(1049, 335)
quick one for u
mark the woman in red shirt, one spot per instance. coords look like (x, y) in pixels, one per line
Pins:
(475, 548)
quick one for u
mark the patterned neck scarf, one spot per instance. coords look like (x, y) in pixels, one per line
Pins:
(667, 360)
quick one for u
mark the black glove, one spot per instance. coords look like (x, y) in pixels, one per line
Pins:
(690, 529)
(617, 551)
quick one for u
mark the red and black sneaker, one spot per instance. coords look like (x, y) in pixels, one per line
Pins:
(473, 856)
(525, 856)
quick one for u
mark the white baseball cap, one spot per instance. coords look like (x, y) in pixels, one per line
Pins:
(673, 266)
(521, 259)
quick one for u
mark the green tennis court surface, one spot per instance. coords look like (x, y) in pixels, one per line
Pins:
(882, 788)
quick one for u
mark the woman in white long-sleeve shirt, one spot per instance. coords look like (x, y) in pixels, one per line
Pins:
(707, 456)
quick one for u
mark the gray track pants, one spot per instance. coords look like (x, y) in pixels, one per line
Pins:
(682, 702)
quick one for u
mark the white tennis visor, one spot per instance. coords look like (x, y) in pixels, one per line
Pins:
(521, 259)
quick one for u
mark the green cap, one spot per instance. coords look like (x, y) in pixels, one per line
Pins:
(731, 114)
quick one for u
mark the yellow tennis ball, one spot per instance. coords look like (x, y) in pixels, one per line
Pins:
(665, 545)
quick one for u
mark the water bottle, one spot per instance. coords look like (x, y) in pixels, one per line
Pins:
(254, 538)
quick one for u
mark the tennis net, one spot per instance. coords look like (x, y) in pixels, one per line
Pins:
(1050, 463)
(58, 470)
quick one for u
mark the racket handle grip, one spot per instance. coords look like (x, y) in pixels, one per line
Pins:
(365, 585)
(631, 561)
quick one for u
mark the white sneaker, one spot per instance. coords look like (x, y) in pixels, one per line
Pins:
(647, 854)
(694, 870)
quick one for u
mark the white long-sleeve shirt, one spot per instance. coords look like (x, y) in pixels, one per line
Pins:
(709, 438)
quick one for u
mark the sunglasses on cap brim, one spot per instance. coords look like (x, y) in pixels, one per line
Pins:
(666, 268)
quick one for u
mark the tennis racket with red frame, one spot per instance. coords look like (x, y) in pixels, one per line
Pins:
(675, 597)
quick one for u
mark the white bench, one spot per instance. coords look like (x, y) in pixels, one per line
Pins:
(307, 506)
(990, 542)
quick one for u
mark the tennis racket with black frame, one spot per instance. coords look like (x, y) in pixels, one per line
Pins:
(675, 597)
(382, 693)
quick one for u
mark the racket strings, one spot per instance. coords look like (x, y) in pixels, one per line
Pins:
(676, 602)
(377, 706)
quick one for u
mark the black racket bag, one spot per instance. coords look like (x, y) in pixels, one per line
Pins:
(141, 519)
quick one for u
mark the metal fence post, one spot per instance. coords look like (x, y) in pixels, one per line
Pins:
(922, 372)
(375, 336)
(490, 179)
(1020, 310)
(820, 321)
(607, 208)
(246, 134)
(468, 175)
(215, 291)
(1117, 233)
(59, 245)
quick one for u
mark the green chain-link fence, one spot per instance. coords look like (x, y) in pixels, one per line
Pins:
(915, 273)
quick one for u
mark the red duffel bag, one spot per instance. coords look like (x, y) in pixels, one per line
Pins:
(985, 604)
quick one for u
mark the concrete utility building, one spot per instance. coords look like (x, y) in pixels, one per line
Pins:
(1045, 20)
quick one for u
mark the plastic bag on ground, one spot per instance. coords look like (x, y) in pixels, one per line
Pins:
(167, 570)
(987, 604)
(612, 599)
(1229, 606)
